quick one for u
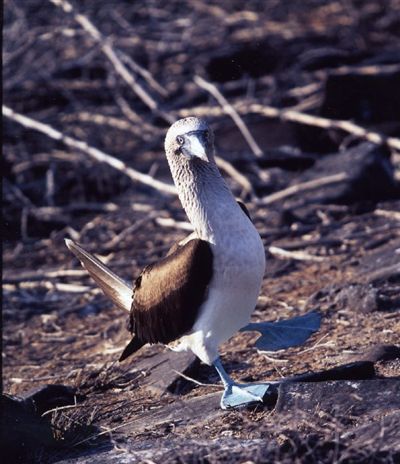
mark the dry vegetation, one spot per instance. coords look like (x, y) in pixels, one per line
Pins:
(304, 99)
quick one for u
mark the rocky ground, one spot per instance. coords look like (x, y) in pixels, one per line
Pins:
(323, 193)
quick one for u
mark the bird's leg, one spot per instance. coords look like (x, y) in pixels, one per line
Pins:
(237, 394)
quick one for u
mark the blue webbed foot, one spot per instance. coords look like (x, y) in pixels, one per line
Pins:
(284, 334)
(236, 394)
(244, 394)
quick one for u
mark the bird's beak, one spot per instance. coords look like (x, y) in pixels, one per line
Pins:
(195, 147)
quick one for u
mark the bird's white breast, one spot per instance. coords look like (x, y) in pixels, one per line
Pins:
(239, 265)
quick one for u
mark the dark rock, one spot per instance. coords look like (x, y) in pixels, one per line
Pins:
(315, 139)
(365, 97)
(23, 432)
(371, 176)
(376, 284)
(381, 270)
(325, 57)
(372, 398)
(277, 267)
(381, 265)
(360, 370)
(162, 367)
(382, 353)
(358, 297)
(353, 296)
(369, 179)
(253, 59)
(181, 450)
(285, 159)
(190, 411)
(49, 397)
(193, 410)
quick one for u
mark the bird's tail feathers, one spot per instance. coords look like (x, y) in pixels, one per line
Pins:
(134, 345)
(115, 288)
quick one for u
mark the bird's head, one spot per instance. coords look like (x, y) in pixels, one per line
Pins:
(190, 140)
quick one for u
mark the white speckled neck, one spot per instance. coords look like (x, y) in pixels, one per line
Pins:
(205, 197)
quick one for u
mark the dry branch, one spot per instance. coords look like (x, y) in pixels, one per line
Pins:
(302, 187)
(297, 255)
(129, 113)
(39, 275)
(318, 121)
(114, 162)
(234, 174)
(91, 151)
(144, 73)
(102, 120)
(370, 70)
(48, 213)
(299, 117)
(389, 214)
(112, 55)
(196, 382)
(52, 286)
(230, 110)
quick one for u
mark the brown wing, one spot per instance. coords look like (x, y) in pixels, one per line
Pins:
(169, 293)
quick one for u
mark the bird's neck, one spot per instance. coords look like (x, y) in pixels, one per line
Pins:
(207, 200)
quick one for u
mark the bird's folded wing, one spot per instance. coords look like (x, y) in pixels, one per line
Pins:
(183, 242)
(169, 293)
(284, 334)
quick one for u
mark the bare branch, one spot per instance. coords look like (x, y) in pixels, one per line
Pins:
(91, 151)
(46, 275)
(52, 286)
(229, 109)
(231, 171)
(302, 187)
(318, 121)
(389, 214)
(112, 55)
(201, 384)
(295, 116)
(144, 73)
(297, 255)
(100, 119)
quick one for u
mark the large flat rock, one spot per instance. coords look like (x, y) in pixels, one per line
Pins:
(373, 398)
(180, 412)
(161, 368)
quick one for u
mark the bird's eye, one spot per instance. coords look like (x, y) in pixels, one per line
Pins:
(180, 140)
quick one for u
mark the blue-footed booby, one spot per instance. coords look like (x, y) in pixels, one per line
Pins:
(207, 286)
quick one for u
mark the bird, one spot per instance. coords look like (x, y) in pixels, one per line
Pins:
(206, 287)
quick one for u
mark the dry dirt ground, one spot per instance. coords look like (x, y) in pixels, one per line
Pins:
(332, 247)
